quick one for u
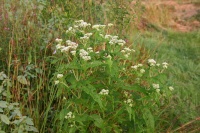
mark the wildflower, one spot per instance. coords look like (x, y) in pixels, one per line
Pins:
(58, 40)
(142, 70)
(56, 82)
(157, 90)
(104, 92)
(139, 65)
(171, 88)
(70, 30)
(109, 57)
(110, 24)
(134, 67)
(65, 49)
(59, 76)
(165, 65)
(158, 64)
(98, 27)
(151, 62)
(64, 98)
(90, 49)
(72, 45)
(69, 115)
(73, 52)
(156, 86)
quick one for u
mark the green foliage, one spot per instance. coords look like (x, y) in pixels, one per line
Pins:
(96, 75)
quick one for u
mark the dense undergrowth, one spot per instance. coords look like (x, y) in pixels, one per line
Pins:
(97, 75)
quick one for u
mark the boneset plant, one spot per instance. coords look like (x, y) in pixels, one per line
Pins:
(99, 85)
(11, 118)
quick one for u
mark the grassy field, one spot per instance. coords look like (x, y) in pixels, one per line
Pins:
(116, 71)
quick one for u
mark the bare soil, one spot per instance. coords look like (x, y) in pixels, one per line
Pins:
(185, 15)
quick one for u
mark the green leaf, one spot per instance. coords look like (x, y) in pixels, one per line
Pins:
(98, 121)
(93, 64)
(29, 121)
(149, 120)
(22, 80)
(3, 104)
(90, 90)
(1, 110)
(5, 119)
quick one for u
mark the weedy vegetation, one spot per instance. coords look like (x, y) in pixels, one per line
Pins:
(71, 66)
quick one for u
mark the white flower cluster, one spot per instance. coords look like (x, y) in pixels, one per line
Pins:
(70, 30)
(58, 40)
(86, 36)
(84, 55)
(138, 66)
(110, 24)
(70, 46)
(104, 92)
(151, 62)
(59, 76)
(90, 49)
(156, 86)
(115, 40)
(129, 101)
(171, 88)
(81, 24)
(69, 115)
(127, 51)
(98, 27)
(165, 65)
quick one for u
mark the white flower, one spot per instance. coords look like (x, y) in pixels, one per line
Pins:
(65, 49)
(171, 88)
(69, 115)
(152, 62)
(73, 52)
(165, 65)
(104, 92)
(90, 49)
(86, 58)
(158, 64)
(134, 67)
(139, 65)
(156, 86)
(142, 70)
(157, 90)
(56, 82)
(58, 40)
(59, 76)
(110, 24)
(130, 105)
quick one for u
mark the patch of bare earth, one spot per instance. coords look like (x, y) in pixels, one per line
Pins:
(181, 13)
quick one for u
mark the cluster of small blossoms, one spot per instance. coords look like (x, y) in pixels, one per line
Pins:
(69, 116)
(81, 24)
(86, 36)
(70, 30)
(128, 100)
(115, 40)
(110, 24)
(156, 86)
(127, 51)
(70, 46)
(165, 65)
(59, 76)
(58, 40)
(84, 55)
(138, 66)
(104, 92)
(151, 62)
(98, 27)
(171, 88)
